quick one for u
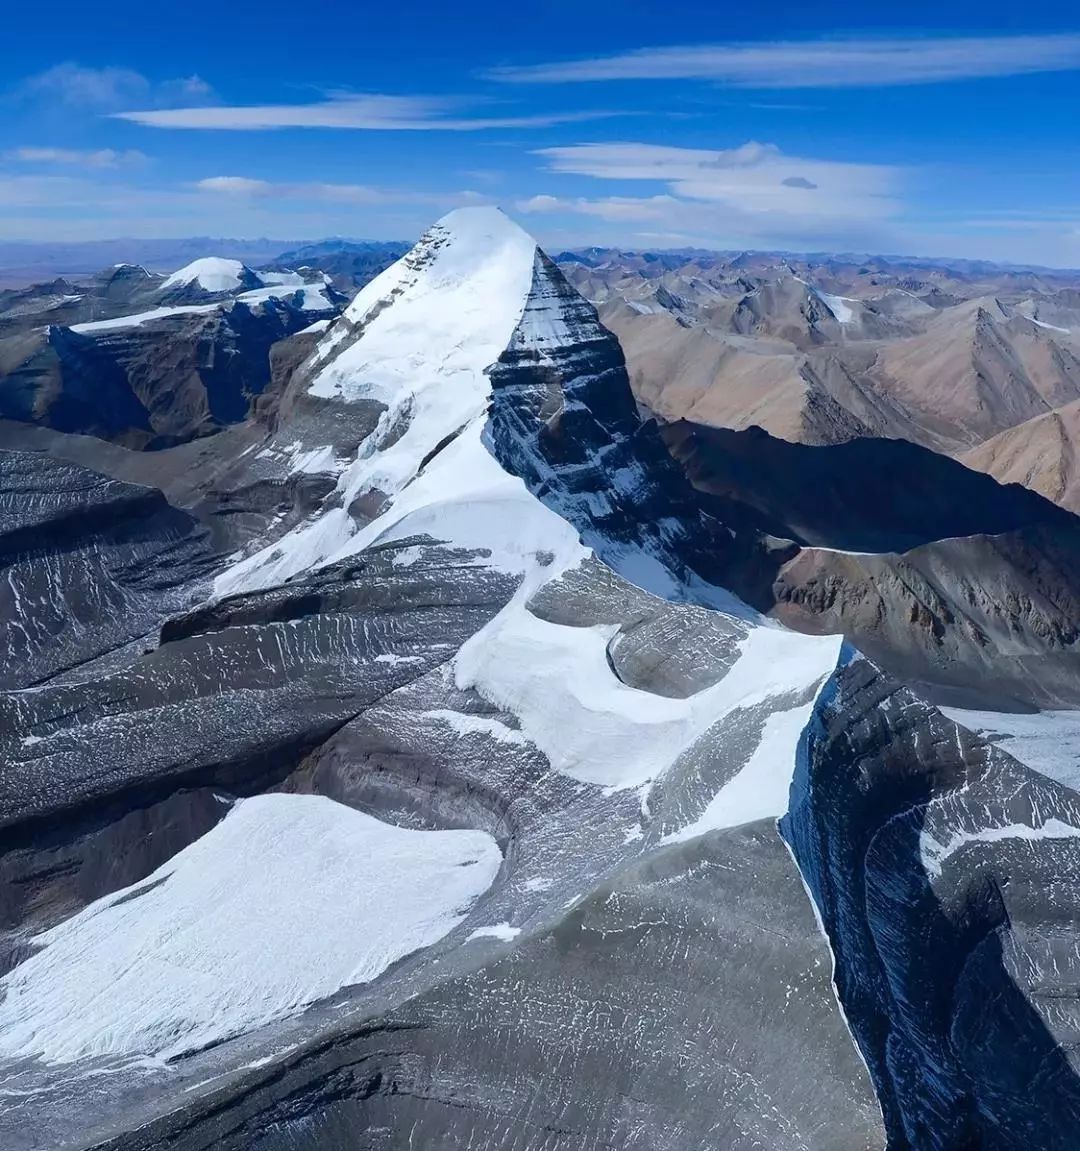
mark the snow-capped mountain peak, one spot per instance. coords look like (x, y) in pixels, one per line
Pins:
(212, 274)
(415, 345)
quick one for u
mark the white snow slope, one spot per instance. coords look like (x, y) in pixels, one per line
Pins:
(596, 728)
(839, 306)
(211, 273)
(1046, 741)
(432, 323)
(288, 899)
(139, 318)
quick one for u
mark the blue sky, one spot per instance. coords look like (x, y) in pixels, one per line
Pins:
(641, 123)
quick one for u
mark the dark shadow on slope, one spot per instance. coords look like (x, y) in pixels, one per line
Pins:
(872, 495)
(958, 1055)
(65, 380)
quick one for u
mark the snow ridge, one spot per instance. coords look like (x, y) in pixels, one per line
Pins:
(419, 340)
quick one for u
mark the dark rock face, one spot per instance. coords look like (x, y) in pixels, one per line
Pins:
(325, 634)
(163, 381)
(89, 564)
(983, 621)
(563, 418)
(940, 866)
(954, 583)
(191, 362)
(66, 381)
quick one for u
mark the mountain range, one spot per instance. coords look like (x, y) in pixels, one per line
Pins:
(822, 351)
(605, 702)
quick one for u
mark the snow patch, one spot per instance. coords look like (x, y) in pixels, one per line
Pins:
(1048, 327)
(597, 729)
(465, 498)
(318, 326)
(935, 853)
(297, 551)
(287, 900)
(314, 461)
(1048, 741)
(501, 931)
(465, 724)
(306, 297)
(762, 789)
(840, 307)
(140, 318)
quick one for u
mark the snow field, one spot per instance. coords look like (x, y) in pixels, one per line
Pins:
(287, 900)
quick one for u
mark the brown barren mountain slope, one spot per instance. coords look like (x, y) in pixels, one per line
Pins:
(821, 352)
(1040, 454)
(976, 371)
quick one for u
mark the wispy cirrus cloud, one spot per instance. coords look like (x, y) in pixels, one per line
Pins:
(758, 179)
(76, 157)
(103, 90)
(826, 63)
(85, 206)
(357, 111)
(331, 193)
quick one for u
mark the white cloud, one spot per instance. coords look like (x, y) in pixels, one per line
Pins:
(76, 157)
(757, 179)
(59, 206)
(750, 196)
(370, 112)
(234, 185)
(612, 208)
(109, 89)
(826, 63)
(316, 192)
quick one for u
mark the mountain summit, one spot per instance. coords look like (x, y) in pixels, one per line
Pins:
(448, 789)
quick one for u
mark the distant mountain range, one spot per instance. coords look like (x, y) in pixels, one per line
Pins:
(594, 256)
(28, 262)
